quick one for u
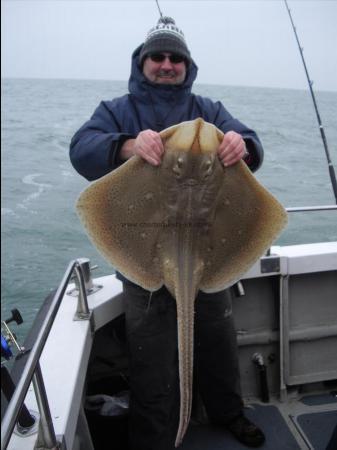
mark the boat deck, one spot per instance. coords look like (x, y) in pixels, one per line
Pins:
(305, 418)
(305, 424)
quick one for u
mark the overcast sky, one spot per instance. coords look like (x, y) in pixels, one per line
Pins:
(238, 42)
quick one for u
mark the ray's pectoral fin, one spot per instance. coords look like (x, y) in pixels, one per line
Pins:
(247, 220)
(122, 215)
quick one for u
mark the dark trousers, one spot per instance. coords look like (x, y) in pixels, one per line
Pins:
(151, 325)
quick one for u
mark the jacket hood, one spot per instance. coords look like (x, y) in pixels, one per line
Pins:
(141, 87)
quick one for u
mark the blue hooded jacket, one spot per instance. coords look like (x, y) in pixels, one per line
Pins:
(94, 149)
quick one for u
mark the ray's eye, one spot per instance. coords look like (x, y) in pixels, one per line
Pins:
(178, 166)
(208, 167)
(180, 162)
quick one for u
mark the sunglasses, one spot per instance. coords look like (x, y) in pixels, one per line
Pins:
(174, 58)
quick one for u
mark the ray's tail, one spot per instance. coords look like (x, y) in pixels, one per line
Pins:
(185, 293)
(185, 312)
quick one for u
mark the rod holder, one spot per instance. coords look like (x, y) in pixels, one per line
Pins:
(82, 271)
(90, 287)
(262, 370)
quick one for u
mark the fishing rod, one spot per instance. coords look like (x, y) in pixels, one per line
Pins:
(161, 14)
(321, 129)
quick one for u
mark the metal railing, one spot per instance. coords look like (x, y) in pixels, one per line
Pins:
(32, 370)
(311, 208)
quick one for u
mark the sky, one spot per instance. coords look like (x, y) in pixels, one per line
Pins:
(233, 42)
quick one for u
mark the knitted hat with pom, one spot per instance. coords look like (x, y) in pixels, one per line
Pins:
(165, 37)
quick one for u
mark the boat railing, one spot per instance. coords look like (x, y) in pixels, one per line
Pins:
(311, 208)
(32, 370)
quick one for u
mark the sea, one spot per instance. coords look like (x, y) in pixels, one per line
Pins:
(41, 232)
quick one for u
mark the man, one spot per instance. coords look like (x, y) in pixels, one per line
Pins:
(160, 96)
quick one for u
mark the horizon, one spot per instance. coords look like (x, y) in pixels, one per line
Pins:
(196, 83)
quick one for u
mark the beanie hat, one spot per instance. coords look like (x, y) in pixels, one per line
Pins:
(165, 37)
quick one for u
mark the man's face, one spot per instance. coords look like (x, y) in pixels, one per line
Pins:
(165, 68)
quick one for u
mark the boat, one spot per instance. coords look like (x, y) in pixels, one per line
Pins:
(285, 309)
(67, 387)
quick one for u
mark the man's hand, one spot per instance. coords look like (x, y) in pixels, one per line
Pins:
(148, 145)
(232, 148)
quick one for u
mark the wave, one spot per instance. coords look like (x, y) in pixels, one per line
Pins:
(41, 187)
